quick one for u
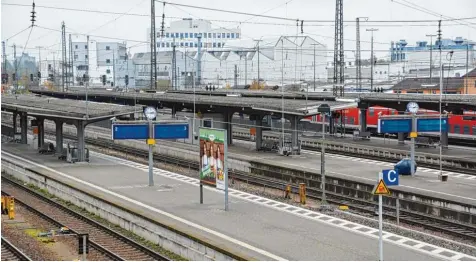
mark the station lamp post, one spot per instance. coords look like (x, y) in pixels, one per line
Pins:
(323, 109)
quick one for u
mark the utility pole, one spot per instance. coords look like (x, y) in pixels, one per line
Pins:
(4, 54)
(246, 68)
(39, 64)
(186, 73)
(257, 43)
(358, 59)
(63, 54)
(114, 68)
(199, 60)
(174, 66)
(339, 50)
(86, 82)
(441, 102)
(372, 59)
(16, 67)
(153, 47)
(467, 65)
(236, 76)
(431, 56)
(314, 67)
(71, 67)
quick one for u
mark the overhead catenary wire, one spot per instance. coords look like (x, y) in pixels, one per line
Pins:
(257, 15)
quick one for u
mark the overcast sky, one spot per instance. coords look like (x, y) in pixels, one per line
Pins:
(15, 19)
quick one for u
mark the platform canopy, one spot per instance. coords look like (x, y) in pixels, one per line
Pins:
(66, 109)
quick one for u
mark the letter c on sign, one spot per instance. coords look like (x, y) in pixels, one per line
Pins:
(392, 176)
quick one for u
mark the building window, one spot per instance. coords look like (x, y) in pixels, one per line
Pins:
(181, 44)
(167, 35)
(181, 35)
(75, 57)
(195, 35)
(76, 46)
(176, 35)
(209, 35)
(196, 45)
(86, 56)
(108, 61)
(214, 35)
(168, 44)
(186, 35)
(237, 35)
(232, 35)
(108, 71)
(218, 35)
(222, 35)
(85, 46)
(219, 44)
(108, 48)
(163, 44)
(228, 35)
(214, 44)
(186, 44)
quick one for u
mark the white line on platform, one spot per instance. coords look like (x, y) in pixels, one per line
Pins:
(138, 203)
(308, 214)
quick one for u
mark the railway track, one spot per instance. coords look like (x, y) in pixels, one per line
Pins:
(112, 244)
(465, 170)
(361, 206)
(12, 253)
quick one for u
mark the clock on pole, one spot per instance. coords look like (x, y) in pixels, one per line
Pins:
(413, 107)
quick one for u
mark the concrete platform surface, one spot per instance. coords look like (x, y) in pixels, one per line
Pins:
(285, 231)
(459, 187)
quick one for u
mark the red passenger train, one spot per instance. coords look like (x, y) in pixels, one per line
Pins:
(459, 124)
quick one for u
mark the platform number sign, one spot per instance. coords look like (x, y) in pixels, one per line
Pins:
(390, 177)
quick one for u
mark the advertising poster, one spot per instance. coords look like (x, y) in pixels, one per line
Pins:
(213, 157)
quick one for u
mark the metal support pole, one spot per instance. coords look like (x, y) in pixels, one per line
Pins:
(397, 205)
(59, 136)
(87, 78)
(236, 76)
(151, 155)
(431, 56)
(372, 59)
(24, 128)
(113, 69)
(201, 193)
(84, 247)
(323, 161)
(412, 153)
(246, 69)
(199, 60)
(314, 67)
(380, 223)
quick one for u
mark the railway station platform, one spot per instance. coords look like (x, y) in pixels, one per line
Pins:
(459, 187)
(261, 228)
(466, 153)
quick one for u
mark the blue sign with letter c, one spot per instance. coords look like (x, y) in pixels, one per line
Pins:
(390, 177)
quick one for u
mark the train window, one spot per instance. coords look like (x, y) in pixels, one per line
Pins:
(469, 118)
(466, 130)
(371, 111)
(474, 130)
(352, 120)
(456, 129)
